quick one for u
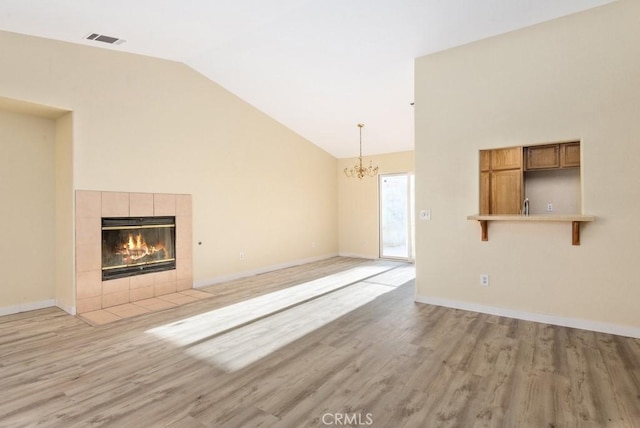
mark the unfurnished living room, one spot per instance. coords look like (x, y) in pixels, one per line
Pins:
(388, 213)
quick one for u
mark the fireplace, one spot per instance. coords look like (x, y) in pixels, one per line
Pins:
(137, 245)
(93, 291)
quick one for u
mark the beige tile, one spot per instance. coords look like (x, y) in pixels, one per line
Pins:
(128, 310)
(184, 238)
(165, 288)
(88, 304)
(140, 281)
(141, 293)
(165, 276)
(184, 284)
(88, 284)
(88, 204)
(114, 299)
(164, 204)
(184, 224)
(141, 204)
(154, 277)
(197, 294)
(88, 257)
(184, 221)
(184, 269)
(115, 204)
(184, 249)
(115, 286)
(178, 299)
(151, 277)
(184, 205)
(88, 230)
(155, 304)
(100, 317)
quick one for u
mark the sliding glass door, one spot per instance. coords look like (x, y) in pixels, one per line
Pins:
(396, 219)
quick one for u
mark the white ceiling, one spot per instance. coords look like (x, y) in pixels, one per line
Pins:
(318, 67)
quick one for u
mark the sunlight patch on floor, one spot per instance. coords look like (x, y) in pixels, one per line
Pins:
(395, 277)
(202, 326)
(241, 347)
(238, 335)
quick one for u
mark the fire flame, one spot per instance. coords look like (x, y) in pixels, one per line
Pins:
(136, 248)
(139, 244)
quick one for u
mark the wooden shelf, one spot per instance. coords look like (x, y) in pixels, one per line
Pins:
(575, 220)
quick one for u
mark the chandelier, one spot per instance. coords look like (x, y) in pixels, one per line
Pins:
(358, 170)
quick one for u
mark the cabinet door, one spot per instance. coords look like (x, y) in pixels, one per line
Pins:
(543, 157)
(509, 158)
(506, 192)
(485, 193)
(570, 154)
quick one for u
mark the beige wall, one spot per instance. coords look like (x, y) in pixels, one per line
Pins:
(561, 188)
(27, 216)
(148, 125)
(358, 228)
(65, 272)
(572, 78)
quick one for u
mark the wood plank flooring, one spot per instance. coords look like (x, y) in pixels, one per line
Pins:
(358, 353)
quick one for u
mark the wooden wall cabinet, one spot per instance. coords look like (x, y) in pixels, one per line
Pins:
(509, 158)
(501, 181)
(552, 156)
(570, 155)
(542, 157)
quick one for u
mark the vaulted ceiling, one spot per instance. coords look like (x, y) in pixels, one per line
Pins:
(318, 67)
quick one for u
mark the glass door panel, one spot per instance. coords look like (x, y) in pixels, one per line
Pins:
(395, 223)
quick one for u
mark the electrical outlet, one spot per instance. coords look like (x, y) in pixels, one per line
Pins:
(425, 214)
(549, 206)
(241, 255)
(484, 279)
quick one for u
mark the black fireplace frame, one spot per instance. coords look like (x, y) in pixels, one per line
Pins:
(136, 223)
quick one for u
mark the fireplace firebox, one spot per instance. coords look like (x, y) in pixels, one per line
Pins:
(137, 245)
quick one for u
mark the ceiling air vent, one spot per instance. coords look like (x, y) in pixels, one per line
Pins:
(105, 39)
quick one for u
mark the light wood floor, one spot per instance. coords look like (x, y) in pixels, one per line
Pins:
(362, 351)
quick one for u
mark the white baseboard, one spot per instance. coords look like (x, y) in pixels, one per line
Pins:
(358, 256)
(224, 278)
(25, 307)
(620, 330)
(71, 310)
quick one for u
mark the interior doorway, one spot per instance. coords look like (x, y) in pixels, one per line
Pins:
(396, 216)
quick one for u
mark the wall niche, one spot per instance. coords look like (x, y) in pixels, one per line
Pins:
(547, 175)
(540, 183)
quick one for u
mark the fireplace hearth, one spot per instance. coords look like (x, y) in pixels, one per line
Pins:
(137, 245)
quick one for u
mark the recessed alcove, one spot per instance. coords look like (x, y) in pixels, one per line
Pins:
(36, 142)
(538, 183)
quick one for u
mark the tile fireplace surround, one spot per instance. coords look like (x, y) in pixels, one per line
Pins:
(92, 293)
